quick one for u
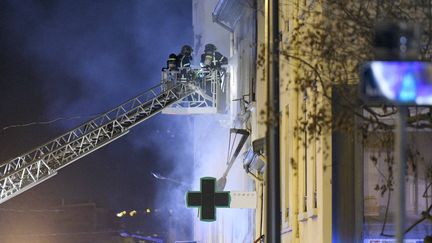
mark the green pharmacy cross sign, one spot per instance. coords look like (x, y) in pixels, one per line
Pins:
(208, 199)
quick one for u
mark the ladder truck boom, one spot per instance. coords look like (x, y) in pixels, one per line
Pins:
(29, 169)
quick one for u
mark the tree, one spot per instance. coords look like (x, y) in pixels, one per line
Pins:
(327, 47)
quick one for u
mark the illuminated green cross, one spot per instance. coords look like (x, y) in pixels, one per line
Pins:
(207, 199)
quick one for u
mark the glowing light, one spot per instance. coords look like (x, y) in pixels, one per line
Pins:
(132, 213)
(148, 210)
(404, 82)
(408, 89)
(121, 214)
(391, 241)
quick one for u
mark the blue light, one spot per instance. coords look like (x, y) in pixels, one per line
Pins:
(403, 82)
(408, 89)
(391, 241)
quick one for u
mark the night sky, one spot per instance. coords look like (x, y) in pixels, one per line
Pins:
(78, 58)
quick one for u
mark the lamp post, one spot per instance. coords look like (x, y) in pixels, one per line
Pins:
(401, 81)
(273, 207)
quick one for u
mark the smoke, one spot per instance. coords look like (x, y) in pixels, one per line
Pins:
(89, 56)
(100, 52)
(232, 225)
(212, 134)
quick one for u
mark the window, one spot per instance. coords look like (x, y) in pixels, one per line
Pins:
(305, 150)
(286, 165)
(316, 139)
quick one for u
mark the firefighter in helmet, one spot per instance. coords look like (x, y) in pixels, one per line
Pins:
(169, 73)
(184, 60)
(211, 58)
(171, 63)
(185, 57)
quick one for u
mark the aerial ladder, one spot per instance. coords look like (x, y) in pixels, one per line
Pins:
(198, 89)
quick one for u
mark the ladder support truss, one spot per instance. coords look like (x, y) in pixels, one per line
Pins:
(31, 168)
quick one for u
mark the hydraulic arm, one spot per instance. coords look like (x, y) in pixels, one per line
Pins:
(29, 169)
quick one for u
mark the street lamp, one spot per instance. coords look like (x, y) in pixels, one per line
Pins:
(396, 77)
(400, 82)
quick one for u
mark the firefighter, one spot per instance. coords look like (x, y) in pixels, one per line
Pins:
(171, 63)
(184, 63)
(169, 74)
(185, 57)
(211, 58)
(213, 61)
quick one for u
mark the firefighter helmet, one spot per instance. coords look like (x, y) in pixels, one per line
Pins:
(210, 48)
(186, 50)
(172, 57)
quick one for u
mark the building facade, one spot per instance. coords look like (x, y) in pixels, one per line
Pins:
(239, 30)
(333, 181)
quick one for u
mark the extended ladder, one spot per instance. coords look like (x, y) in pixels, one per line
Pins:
(31, 168)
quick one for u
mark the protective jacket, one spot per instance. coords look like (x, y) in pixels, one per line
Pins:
(183, 61)
(213, 60)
